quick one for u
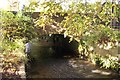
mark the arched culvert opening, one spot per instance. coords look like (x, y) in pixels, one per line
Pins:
(55, 45)
(50, 47)
(63, 47)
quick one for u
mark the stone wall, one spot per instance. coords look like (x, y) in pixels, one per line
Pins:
(115, 51)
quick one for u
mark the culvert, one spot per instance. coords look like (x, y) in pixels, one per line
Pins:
(47, 48)
(55, 45)
(50, 46)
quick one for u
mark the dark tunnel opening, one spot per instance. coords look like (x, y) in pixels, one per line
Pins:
(51, 47)
(61, 45)
(55, 45)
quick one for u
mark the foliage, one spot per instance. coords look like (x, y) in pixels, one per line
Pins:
(117, 10)
(89, 24)
(107, 61)
(48, 21)
(13, 24)
(11, 62)
(15, 28)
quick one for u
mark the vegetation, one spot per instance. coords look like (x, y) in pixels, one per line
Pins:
(89, 24)
(15, 29)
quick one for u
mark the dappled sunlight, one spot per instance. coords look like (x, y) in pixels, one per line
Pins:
(80, 41)
(72, 62)
(108, 46)
(89, 70)
(20, 55)
(101, 72)
(11, 64)
(22, 71)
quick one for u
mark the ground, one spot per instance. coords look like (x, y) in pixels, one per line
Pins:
(68, 68)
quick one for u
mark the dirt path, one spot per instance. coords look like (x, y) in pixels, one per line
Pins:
(68, 68)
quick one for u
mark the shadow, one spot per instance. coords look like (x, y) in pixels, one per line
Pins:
(66, 68)
(47, 47)
(60, 46)
(10, 76)
(59, 60)
(55, 45)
